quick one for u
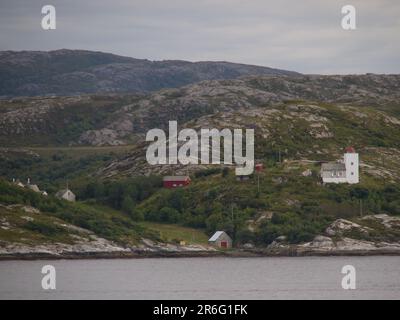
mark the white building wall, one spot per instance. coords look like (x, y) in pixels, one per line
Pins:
(69, 196)
(334, 180)
(351, 162)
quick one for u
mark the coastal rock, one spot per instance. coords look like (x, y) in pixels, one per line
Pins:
(281, 239)
(342, 244)
(340, 226)
(275, 245)
(322, 241)
(84, 246)
(386, 220)
(347, 244)
(248, 246)
(319, 243)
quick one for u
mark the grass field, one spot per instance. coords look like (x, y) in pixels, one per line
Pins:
(80, 151)
(172, 233)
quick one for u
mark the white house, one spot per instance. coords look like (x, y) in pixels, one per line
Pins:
(18, 183)
(33, 187)
(343, 171)
(66, 194)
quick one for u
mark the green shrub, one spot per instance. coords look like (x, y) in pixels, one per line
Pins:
(47, 229)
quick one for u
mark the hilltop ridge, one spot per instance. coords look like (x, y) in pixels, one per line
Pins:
(73, 72)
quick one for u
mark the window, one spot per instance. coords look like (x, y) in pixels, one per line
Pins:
(352, 163)
(352, 173)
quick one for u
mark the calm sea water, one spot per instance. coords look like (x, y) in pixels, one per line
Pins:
(204, 278)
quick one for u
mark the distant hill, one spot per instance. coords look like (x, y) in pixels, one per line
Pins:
(72, 72)
(115, 119)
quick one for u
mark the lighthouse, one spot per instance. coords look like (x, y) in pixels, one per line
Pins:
(351, 162)
(345, 170)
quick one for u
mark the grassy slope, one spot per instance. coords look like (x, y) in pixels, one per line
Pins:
(104, 222)
(176, 233)
(303, 206)
(51, 167)
(32, 228)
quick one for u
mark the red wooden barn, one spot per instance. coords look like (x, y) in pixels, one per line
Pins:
(176, 181)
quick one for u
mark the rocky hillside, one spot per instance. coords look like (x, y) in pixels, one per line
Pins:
(299, 122)
(298, 130)
(25, 230)
(373, 234)
(34, 226)
(120, 119)
(58, 120)
(212, 97)
(72, 72)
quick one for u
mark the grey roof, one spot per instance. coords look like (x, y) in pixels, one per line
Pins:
(216, 235)
(62, 192)
(175, 178)
(33, 187)
(333, 166)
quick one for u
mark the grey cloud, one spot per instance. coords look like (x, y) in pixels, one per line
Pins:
(305, 36)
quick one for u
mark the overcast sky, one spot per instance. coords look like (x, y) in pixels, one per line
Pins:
(304, 36)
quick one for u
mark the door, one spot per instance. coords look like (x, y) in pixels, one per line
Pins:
(224, 244)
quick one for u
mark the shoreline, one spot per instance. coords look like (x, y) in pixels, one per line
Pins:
(200, 254)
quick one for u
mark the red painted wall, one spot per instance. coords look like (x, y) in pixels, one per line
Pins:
(176, 184)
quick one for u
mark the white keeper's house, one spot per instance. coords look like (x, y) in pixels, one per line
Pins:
(343, 171)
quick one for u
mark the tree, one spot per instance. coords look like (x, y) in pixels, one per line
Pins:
(245, 236)
(128, 206)
(176, 200)
(359, 193)
(115, 196)
(168, 214)
(215, 222)
(137, 215)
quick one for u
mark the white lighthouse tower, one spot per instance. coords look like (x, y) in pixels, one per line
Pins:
(351, 162)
